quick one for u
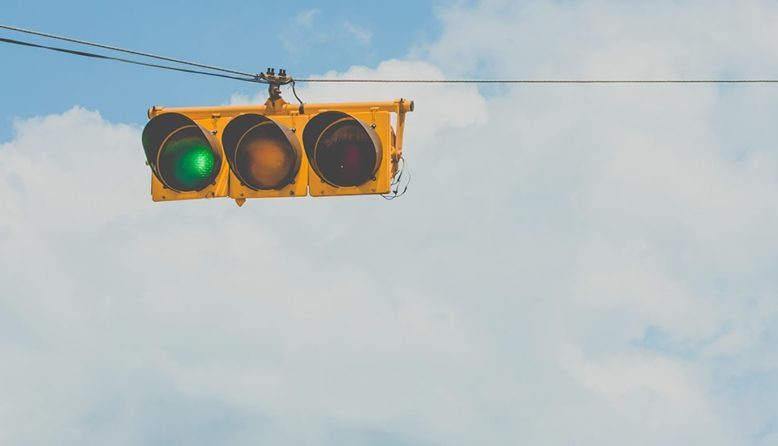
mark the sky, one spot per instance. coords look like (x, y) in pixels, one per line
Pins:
(571, 264)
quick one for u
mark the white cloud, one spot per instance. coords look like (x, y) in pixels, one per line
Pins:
(297, 44)
(363, 35)
(305, 18)
(322, 35)
(571, 265)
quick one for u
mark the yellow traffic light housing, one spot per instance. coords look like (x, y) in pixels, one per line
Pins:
(185, 157)
(274, 150)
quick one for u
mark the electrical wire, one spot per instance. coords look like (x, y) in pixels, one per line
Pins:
(251, 77)
(124, 50)
(134, 62)
(394, 186)
(543, 81)
(295, 94)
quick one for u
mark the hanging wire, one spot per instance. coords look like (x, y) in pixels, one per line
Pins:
(251, 77)
(134, 62)
(542, 81)
(124, 50)
(294, 91)
(397, 182)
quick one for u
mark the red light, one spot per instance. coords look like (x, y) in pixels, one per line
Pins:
(345, 155)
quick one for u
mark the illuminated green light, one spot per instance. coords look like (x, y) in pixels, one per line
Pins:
(187, 163)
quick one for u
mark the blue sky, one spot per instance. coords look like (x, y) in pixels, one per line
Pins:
(304, 37)
(588, 265)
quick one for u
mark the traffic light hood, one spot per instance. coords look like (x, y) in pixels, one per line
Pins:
(342, 150)
(262, 153)
(184, 156)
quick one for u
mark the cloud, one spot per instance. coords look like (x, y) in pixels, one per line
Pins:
(305, 18)
(362, 35)
(323, 35)
(571, 265)
(298, 44)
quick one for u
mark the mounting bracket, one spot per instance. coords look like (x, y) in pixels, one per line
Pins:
(275, 81)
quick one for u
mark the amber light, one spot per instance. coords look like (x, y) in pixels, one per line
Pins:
(264, 162)
(263, 154)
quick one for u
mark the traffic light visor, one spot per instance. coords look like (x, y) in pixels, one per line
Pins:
(183, 155)
(342, 150)
(262, 153)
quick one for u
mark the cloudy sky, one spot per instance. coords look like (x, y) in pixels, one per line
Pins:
(571, 265)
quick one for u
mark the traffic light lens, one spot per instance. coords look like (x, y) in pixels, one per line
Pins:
(345, 154)
(263, 161)
(186, 161)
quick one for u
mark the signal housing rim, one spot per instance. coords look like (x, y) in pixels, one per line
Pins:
(160, 129)
(320, 124)
(237, 129)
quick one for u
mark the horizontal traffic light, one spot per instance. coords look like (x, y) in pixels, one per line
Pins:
(274, 150)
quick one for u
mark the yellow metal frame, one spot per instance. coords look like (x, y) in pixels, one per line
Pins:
(296, 117)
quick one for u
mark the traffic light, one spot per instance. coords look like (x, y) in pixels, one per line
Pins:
(274, 150)
(349, 154)
(185, 157)
(265, 157)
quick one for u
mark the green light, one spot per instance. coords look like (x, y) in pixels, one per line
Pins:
(187, 162)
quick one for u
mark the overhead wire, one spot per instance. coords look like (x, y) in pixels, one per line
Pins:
(125, 50)
(541, 81)
(129, 61)
(257, 78)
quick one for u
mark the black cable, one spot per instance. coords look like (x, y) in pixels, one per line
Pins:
(295, 94)
(394, 186)
(134, 62)
(124, 50)
(543, 81)
(251, 77)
